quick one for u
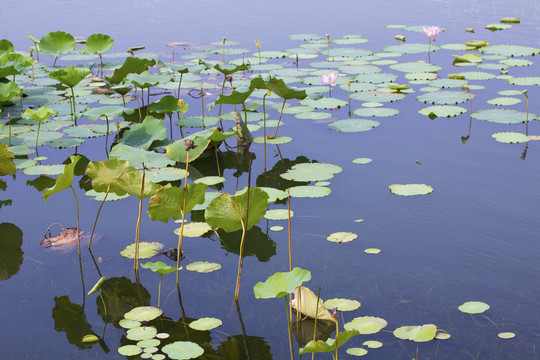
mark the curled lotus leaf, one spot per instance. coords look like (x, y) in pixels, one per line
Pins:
(308, 304)
(416, 333)
(330, 344)
(281, 283)
(366, 324)
(143, 313)
(159, 267)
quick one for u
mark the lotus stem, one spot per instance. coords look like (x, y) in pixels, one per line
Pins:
(241, 257)
(74, 110)
(181, 235)
(138, 230)
(264, 128)
(97, 215)
(217, 161)
(9, 128)
(103, 302)
(124, 100)
(287, 305)
(527, 116)
(138, 104)
(223, 50)
(101, 60)
(328, 42)
(107, 137)
(279, 119)
(349, 85)
(202, 105)
(78, 232)
(315, 325)
(148, 101)
(179, 84)
(159, 291)
(222, 88)
(289, 223)
(54, 63)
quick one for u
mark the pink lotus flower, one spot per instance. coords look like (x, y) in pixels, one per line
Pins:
(329, 79)
(431, 32)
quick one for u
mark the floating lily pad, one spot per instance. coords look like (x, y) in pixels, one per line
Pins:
(448, 83)
(473, 307)
(128, 324)
(416, 67)
(506, 335)
(477, 75)
(504, 101)
(313, 115)
(498, 26)
(278, 214)
(141, 333)
(143, 313)
(510, 137)
(525, 81)
(366, 324)
(129, 350)
(194, 229)
(410, 189)
(516, 62)
(411, 48)
(380, 78)
(167, 174)
(356, 351)
(276, 141)
(510, 50)
(442, 335)
(309, 191)
(204, 324)
(502, 116)
(150, 343)
(377, 96)
(146, 250)
(342, 304)
(183, 350)
(353, 125)
(276, 228)
(372, 344)
(136, 157)
(341, 237)
(324, 103)
(442, 111)
(444, 97)
(377, 112)
(362, 160)
(311, 172)
(373, 251)
(416, 333)
(210, 180)
(44, 170)
(203, 266)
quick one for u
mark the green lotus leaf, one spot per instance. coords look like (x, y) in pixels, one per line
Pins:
(203, 266)
(70, 76)
(516, 62)
(198, 121)
(7, 166)
(146, 79)
(341, 237)
(309, 191)
(420, 76)
(329, 345)
(313, 115)
(205, 324)
(109, 111)
(477, 75)
(128, 324)
(353, 125)
(194, 229)
(137, 157)
(342, 305)
(525, 81)
(510, 50)
(468, 58)
(168, 174)
(498, 26)
(166, 105)
(10, 70)
(366, 324)
(141, 333)
(159, 267)
(510, 137)
(8, 90)
(177, 150)
(346, 52)
(230, 69)
(380, 78)
(44, 170)
(146, 250)
(359, 69)
(117, 176)
(273, 194)
(448, 83)
(281, 283)
(168, 202)
(506, 335)
(473, 307)
(305, 37)
(378, 112)
(129, 350)
(324, 103)
(278, 214)
(311, 172)
(410, 189)
(97, 44)
(144, 134)
(210, 180)
(477, 43)
(411, 48)
(90, 338)
(377, 96)
(278, 87)
(6, 47)
(372, 344)
(97, 286)
(362, 160)
(143, 313)
(504, 101)
(41, 114)
(94, 195)
(64, 180)
(229, 212)
(56, 43)
(442, 111)
(416, 67)
(444, 97)
(182, 350)
(130, 66)
(503, 116)
(355, 351)
(416, 333)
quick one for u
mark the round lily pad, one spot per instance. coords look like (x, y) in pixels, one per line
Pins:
(353, 125)
(411, 48)
(166, 174)
(324, 103)
(278, 214)
(442, 111)
(516, 62)
(146, 250)
(183, 350)
(203, 266)
(194, 229)
(477, 75)
(341, 237)
(277, 141)
(128, 324)
(276, 228)
(410, 189)
(162, 336)
(510, 137)
(444, 97)
(362, 160)
(342, 304)
(129, 350)
(356, 351)
(448, 83)
(506, 335)
(311, 172)
(143, 313)
(416, 67)
(141, 333)
(473, 307)
(510, 50)
(502, 116)
(504, 101)
(148, 343)
(378, 112)
(44, 170)
(525, 81)
(207, 323)
(377, 96)
(372, 344)
(309, 191)
(366, 324)
(373, 251)
(416, 333)
(210, 180)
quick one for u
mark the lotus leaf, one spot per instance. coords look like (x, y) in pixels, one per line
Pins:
(203, 266)
(97, 44)
(445, 97)
(311, 172)
(281, 283)
(141, 333)
(143, 313)
(56, 43)
(342, 304)
(313, 115)
(510, 50)
(372, 344)
(330, 344)
(378, 112)
(276, 228)
(128, 324)
(353, 125)
(44, 170)
(146, 250)
(205, 324)
(144, 134)
(416, 67)
(64, 180)
(473, 307)
(97, 286)
(341, 237)
(362, 160)
(130, 66)
(182, 350)
(70, 76)
(273, 194)
(504, 101)
(506, 335)
(411, 48)
(498, 26)
(306, 303)
(373, 251)
(7, 166)
(356, 351)
(194, 229)
(109, 111)
(278, 214)
(309, 191)
(380, 78)
(168, 104)
(8, 90)
(525, 81)
(137, 157)
(442, 111)
(159, 267)
(90, 338)
(169, 203)
(503, 116)
(129, 350)
(324, 103)
(146, 79)
(416, 333)
(410, 189)
(377, 96)
(6, 47)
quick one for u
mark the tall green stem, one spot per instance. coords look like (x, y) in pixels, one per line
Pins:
(159, 291)
(240, 259)
(74, 110)
(138, 230)
(279, 119)
(181, 235)
(97, 215)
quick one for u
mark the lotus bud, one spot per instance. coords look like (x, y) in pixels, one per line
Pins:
(181, 103)
(190, 145)
(258, 43)
(224, 39)
(9, 116)
(349, 83)
(229, 78)
(269, 92)
(524, 92)
(334, 314)
(328, 37)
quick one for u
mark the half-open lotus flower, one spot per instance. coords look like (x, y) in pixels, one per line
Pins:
(432, 31)
(329, 79)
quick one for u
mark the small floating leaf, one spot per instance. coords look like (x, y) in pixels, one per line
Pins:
(506, 335)
(342, 304)
(341, 237)
(309, 191)
(366, 324)
(442, 111)
(373, 251)
(159, 267)
(410, 189)
(141, 333)
(128, 324)
(416, 333)
(146, 250)
(473, 307)
(311, 172)
(194, 229)
(278, 214)
(90, 338)
(143, 313)
(207, 323)
(353, 125)
(356, 351)
(129, 350)
(362, 160)
(203, 266)
(183, 350)
(372, 344)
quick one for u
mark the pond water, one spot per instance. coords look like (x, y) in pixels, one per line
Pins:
(474, 238)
